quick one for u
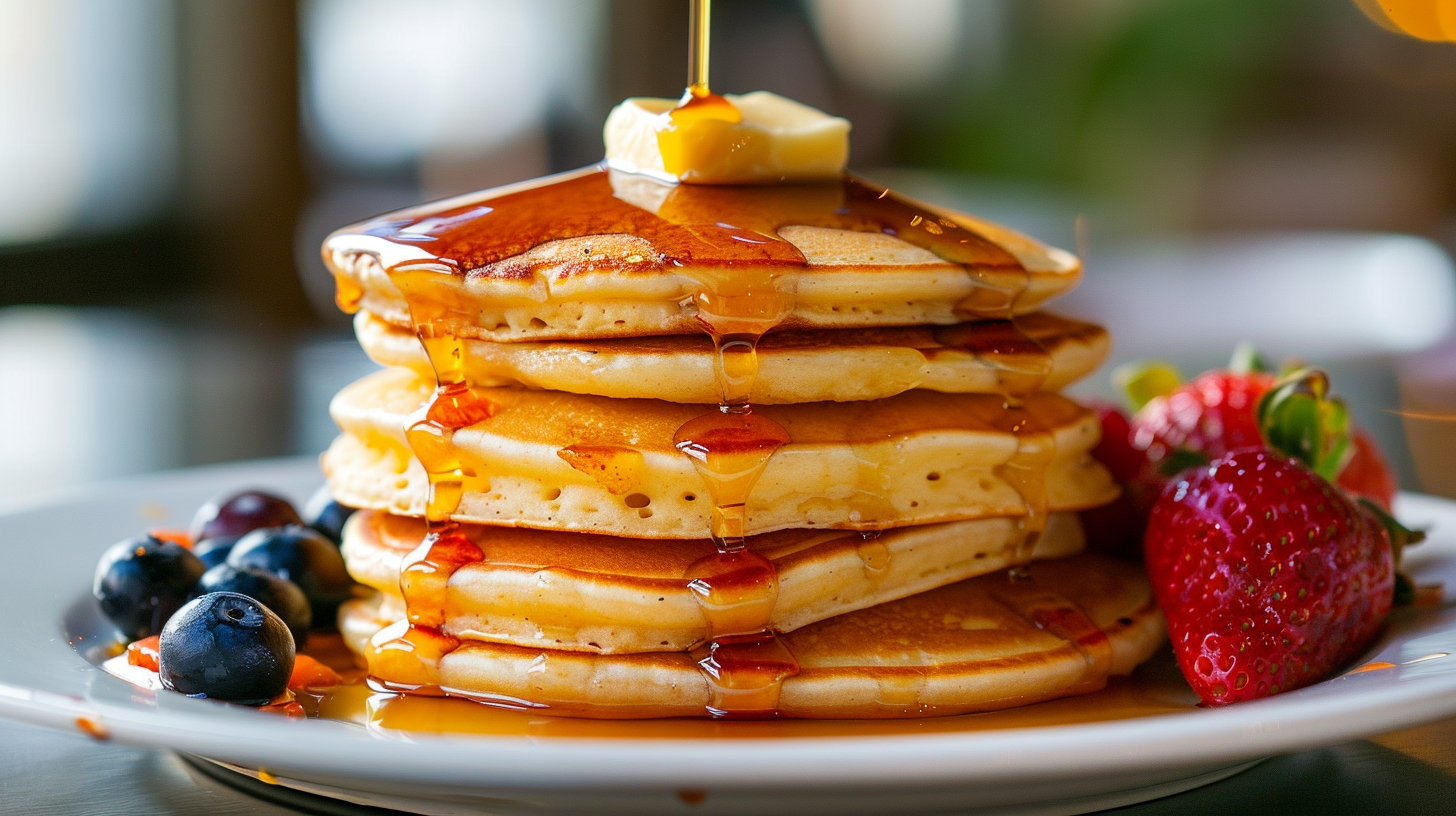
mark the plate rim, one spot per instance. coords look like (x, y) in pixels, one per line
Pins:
(1186, 739)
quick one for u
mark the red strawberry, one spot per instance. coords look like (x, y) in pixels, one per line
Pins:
(1211, 415)
(1117, 528)
(1115, 449)
(1178, 425)
(1367, 474)
(1270, 577)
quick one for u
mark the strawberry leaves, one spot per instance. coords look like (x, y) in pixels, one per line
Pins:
(1300, 418)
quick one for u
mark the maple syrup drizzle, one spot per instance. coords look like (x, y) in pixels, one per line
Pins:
(689, 226)
(724, 243)
(1021, 364)
(1052, 613)
(1026, 472)
(698, 103)
(348, 295)
(743, 660)
(414, 650)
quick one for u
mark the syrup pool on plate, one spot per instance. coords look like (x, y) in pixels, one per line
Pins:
(1155, 688)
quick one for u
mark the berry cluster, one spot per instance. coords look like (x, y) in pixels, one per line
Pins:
(220, 611)
(1263, 516)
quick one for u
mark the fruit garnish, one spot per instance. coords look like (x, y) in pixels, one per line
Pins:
(1300, 417)
(143, 652)
(1269, 576)
(303, 556)
(1209, 416)
(179, 537)
(140, 582)
(281, 596)
(214, 551)
(226, 646)
(327, 516)
(310, 675)
(1117, 528)
(242, 513)
(1183, 425)
(1368, 474)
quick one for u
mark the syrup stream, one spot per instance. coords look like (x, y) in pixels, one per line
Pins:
(744, 661)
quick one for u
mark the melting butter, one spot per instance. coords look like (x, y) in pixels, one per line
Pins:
(774, 140)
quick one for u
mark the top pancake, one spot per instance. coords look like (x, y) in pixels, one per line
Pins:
(597, 253)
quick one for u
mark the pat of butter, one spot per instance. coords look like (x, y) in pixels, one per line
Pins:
(778, 140)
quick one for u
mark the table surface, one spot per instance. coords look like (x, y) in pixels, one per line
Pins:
(44, 772)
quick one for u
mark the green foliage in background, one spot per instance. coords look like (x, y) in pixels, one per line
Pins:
(1115, 98)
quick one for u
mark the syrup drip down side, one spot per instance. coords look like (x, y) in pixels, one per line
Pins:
(417, 641)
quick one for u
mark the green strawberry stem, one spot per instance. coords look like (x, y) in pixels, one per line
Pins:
(1300, 418)
(1405, 590)
(1401, 536)
(1146, 380)
(1247, 360)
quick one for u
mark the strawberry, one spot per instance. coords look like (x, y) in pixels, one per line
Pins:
(1217, 412)
(1211, 415)
(1117, 528)
(1269, 576)
(1367, 474)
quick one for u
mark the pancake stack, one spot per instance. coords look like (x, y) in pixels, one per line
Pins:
(650, 449)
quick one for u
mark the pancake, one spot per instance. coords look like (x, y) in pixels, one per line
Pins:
(987, 643)
(583, 592)
(793, 367)
(592, 464)
(596, 253)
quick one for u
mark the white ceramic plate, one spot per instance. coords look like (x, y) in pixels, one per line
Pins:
(49, 551)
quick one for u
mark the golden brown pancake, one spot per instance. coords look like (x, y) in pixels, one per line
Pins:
(594, 254)
(591, 464)
(797, 366)
(612, 595)
(986, 643)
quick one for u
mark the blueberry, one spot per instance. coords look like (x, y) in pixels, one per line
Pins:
(326, 515)
(300, 555)
(140, 582)
(242, 513)
(214, 551)
(282, 597)
(228, 647)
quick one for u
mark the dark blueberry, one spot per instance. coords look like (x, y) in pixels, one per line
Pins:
(284, 598)
(300, 555)
(326, 515)
(228, 647)
(242, 513)
(140, 582)
(214, 551)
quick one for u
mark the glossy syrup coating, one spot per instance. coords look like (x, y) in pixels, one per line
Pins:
(226, 646)
(141, 582)
(725, 241)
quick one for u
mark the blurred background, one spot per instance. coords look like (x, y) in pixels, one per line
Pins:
(1282, 171)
